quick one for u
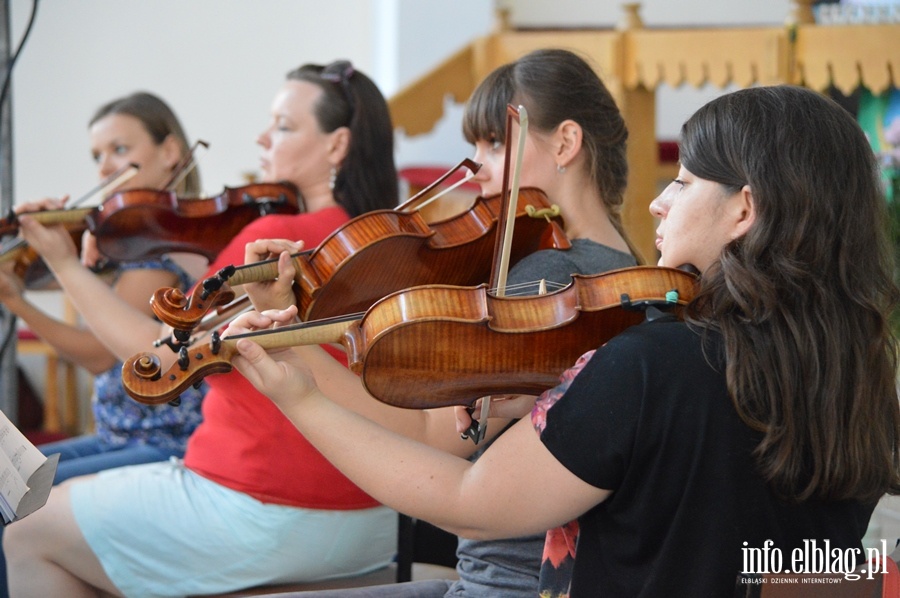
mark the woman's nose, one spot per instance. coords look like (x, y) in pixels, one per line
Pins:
(484, 171)
(657, 207)
(105, 166)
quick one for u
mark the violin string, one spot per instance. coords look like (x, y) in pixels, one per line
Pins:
(549, 284)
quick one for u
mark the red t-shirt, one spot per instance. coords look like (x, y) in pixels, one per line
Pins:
(245, 443)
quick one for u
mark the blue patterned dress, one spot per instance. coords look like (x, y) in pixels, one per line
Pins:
(120, 420)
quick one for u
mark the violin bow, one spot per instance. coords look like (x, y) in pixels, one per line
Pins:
(507, 218)
(503, 243)
(108, 185)
(416, 203)
(186, 165)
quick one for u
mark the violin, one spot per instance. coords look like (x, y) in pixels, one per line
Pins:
(32, 270)
(144, 223)
(27, 264)
(378, 253)
(440, 345)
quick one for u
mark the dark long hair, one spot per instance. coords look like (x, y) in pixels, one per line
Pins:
(555, 85)
(160, 121)
(367, 179)
(802, 300)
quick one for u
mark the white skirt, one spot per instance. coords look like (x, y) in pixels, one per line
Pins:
(161, 530)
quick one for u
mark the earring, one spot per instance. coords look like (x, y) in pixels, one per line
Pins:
(332, 178)
(560, 168)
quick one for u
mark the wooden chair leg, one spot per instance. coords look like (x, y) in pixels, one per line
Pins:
(70, 396)
(52, 419)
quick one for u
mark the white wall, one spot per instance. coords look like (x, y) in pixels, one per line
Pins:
(217, 62)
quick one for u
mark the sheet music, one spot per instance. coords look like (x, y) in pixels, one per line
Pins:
(19, 459)
(24, 455)
(12, 488)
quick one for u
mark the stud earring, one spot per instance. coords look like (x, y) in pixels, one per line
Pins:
(560, 168)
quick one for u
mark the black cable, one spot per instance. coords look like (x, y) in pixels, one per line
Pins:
(8, 76)
(9, 332)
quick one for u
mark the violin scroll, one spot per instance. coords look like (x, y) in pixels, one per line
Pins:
(147, 366)
(143, 379)
(174, 308)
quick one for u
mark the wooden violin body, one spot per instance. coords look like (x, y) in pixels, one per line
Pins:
(438, 345)
(141, 223)
(29, 267)
(145, 223)
(32, 270)
(385, 251)
(27, 264)
(376, 254)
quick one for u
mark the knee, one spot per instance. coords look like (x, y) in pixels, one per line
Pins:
(15, 540)
(12, 547)
(25, 538)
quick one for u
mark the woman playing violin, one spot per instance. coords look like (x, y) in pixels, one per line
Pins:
(252, 502)
(768, 419)
(575, 153)
(137, 129)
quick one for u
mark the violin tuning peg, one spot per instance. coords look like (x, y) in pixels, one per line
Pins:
(184, 359)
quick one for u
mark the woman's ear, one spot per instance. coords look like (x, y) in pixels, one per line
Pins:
(568, 139)
(172, 150)
(338, 145)
(744, 212)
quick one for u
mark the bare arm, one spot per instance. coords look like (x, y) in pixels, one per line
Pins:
(503, 494)
(434, 427)
(114, 319)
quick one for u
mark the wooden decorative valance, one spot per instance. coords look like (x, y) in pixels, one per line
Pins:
(633, 61)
